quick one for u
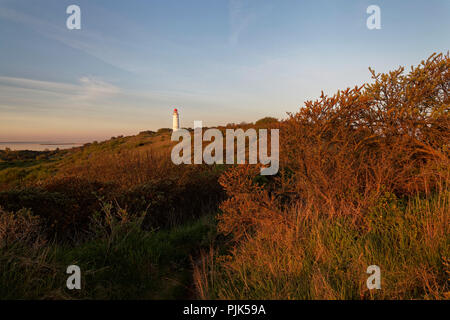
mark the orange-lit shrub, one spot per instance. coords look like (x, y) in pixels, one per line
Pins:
(341, 153)
(364, 179)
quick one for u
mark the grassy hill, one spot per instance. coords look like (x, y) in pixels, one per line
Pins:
(119, 209)
(31, 166)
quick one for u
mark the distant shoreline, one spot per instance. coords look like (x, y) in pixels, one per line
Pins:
(38, 146)
(59, 144)
(40, 143)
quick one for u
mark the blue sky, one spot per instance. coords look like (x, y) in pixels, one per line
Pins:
(218, 61)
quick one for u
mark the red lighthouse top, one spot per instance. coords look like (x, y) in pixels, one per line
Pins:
(175, 111)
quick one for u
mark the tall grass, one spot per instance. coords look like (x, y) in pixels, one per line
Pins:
(310, 256)
(118, 258)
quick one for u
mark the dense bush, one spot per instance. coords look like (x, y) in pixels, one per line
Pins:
(65, 205)
(265, 121)
(172, 200)
(342, 153)
(164, 130)
(339, 157)
(20, 228)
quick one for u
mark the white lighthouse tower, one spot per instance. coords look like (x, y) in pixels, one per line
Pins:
(176, 120)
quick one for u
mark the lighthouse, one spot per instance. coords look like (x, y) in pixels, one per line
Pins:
(176, 120)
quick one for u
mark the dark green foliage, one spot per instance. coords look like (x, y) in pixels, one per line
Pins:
(147, 133)
(27, 155)
(65, 204)
(118, 260)
(266, 121)
(168, 202)
(164, 130)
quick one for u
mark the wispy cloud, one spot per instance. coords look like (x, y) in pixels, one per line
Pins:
(26, 93)
(108, 47)
(88, 42)
(37, 85)
(242, 14)
(239, 20)
(93, 88)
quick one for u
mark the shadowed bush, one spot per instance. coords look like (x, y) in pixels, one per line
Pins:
(65, 205)
(117, 257)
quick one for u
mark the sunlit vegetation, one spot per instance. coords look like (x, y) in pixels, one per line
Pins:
(363, 180)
